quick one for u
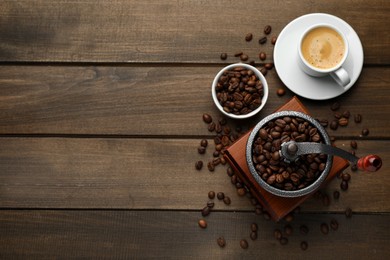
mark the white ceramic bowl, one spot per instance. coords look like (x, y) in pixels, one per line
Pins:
(257, 73)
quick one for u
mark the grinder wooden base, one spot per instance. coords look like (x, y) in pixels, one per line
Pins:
(276, 206)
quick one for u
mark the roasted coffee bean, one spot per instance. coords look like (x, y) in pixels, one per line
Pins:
(346, 176)
(211, 195)
(335, 106)
(205, 211)
(348, 212)
(223, 56)
(210, 166)
(336, 194)
(288, 230)
(365, 132)
(304, 245)
(248, 37)
(229, 171)
(280, 92)
(304, 229)
(346, 114)
(334, 225)
(344, 185)
(220, 195)
(199, 165)
(216, 154)
(283, 241)
(201, 150)
(216, 161)
(203, 143)
(202, 223)
(269, 66)
(354, 144)
(227, 200)
(358, 118)
(241, 192)
(238, 54)
(244, 244)
(337, 115)
(324, 122)
(343, 121)
(210, 204)
(221, 242)
(289, 217)
(262, 56)
(267, 29)
(244, 57)
(273, 40)
(207, 118)
(211, 127)
(253, 235)
(262, 40)
(324, 228)
(334, 124)
(278, 234)
(254, 227)
(263, 71)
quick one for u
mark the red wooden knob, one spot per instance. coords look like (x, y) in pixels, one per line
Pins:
(370, 163)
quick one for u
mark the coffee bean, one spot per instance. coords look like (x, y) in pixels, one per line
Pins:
(262, 56)
(269, 66)
(348, 212)
(335, 106)
(334, 224)
(241, 192)
(221, 242)
(216, 161)
(205, 211)
(210, 166)
(324, 228)
(289, 217)
(304, 229)
(283, 241)
(229, 171)
(324, 122)
(278, 234)
(254, 227)
(210, 204)
(273, 40)
(211, 195)
(244, 244)
(267, 29)
(211, 127)
(346, 176)
(365, 132)
(288, 230)
(244, 57)
(304, 245)
(280, 92)
(223, 56)
(334, 124)
(207, 118)
(354, 144)
(253, 235)
(201, 150)
(358, 118)
(202, 223)
(203, 143)
(336, 194)
(238, 54)
(344, 185)
(263, 40)
(216, 154)
(248, 37)
(226, 200)
(220, 195)
(346, 114)
(263, 71)
(199, 165)
(343, 121)
(354, 167)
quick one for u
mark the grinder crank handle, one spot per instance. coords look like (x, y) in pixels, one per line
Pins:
(291, 150)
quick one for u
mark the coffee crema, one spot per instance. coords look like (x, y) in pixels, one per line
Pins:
(323, 48)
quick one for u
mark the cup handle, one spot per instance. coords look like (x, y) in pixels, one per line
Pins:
(341, 77)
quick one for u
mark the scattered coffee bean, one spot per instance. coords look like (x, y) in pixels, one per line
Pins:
(211, 127)
(358, 118)
(263, 71)
(346, 176)
(304, 245)
(324, 228)
(238, 54)
(210, 204)
(254, 227)
(244, 244)
(346, 114)
(203, 143)
(278, 234)
(334, 124)
(348, 212)
(211, 195)
(221, 242)
(289, 217)
(223, 56)
(334, 225)
(343, 121)
(216, 154)
(262, 40)
(336, 194)
(210, 166)
(267, 29)
(202, 223)
(288, 230)
(324, 122)
(273, 40)
(354, 144)
(244, 57)
(354, 167)
(335, 106)
(220, 195)
(248, 37)
(205, 211)
(201, 150)
(269, 66)
(262, 56)
(304, 229)
(344, 185)
(283, 241)
(227, 200)
(365, 132)
(253, 235)
(229, 171)
(199, 165)
(207, 118)
(280, 92)
(241, 192)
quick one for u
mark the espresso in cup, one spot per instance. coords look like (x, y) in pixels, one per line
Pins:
(323, 47)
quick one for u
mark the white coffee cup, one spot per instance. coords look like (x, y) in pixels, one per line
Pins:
(323, 49)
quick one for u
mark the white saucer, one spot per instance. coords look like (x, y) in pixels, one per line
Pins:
(286, 59)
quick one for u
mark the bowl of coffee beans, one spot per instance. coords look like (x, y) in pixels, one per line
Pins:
(239, 91)
(270, 145)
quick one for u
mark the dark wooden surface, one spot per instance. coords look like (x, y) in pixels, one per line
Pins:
(101, 107)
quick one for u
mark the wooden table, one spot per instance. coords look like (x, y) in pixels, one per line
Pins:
(101, 106)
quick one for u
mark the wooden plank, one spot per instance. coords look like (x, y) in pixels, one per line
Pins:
(155, 31)
(155, 100)
(176, 235)
(147, 174)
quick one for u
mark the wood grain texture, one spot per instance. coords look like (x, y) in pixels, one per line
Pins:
(169, 31)
(146, 174)
(156, 100)
(176, 235)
